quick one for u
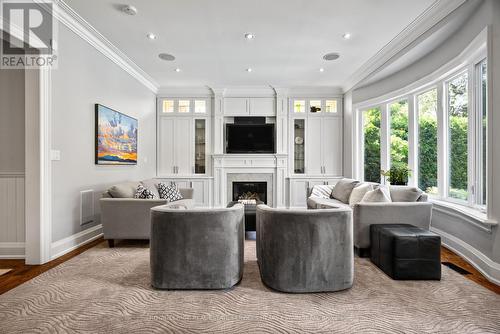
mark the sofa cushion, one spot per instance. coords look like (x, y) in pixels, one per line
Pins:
(324, 203)
(359, 192)
(169, 192)
(343, 188)
(152, 185)
(404, 193)
(123, 190)
(186, 203)
(144, 193)
(322, 191)
(376, 196)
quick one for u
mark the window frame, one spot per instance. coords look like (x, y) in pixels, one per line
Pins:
(469, 61)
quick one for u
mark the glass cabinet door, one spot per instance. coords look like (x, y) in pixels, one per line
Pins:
(299, 146)
(199, 146)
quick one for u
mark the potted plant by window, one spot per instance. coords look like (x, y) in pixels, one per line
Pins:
(397, 175)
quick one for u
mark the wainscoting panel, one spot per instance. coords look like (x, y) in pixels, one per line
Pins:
(12, 226)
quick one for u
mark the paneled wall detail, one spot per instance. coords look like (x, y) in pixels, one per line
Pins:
(12, 228)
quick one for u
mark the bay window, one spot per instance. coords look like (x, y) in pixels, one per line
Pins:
(437, 132)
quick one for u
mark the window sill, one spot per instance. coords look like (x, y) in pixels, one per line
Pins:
(472, 215)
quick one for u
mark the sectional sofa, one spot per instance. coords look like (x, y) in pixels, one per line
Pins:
(395, 205)
(126, 217)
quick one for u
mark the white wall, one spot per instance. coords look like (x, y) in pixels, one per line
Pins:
(478, 243)
(84, 77)
(11, 121)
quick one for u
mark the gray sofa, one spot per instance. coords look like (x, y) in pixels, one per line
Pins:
(302, 250)
(417, 213)
(128, 217)
(196, 248)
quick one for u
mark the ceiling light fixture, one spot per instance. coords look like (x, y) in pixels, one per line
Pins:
(249, 35)
(151, 36)
(347, 35)
(177, 70)
(130, 10)
(331, 56)
(322, 69)
(249, 69)
(166, 56)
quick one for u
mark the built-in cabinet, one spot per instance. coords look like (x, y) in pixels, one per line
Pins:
(316, 143)
(309, 130)
(183, 136)
(249, 106)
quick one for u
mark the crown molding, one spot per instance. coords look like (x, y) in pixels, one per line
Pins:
(185, 91)
(311, 91)
(430, 17)
(249, 91)
(71, 19)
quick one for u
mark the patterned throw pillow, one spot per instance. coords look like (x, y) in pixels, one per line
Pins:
(144, 193)
(169, 192)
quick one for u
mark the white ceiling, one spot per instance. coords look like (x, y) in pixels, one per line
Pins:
(207, 39)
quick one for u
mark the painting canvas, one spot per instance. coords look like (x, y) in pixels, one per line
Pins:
(116, 137)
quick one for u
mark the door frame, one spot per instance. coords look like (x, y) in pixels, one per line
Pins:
(38, 186)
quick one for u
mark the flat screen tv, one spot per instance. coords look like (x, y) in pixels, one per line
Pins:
(249, 138)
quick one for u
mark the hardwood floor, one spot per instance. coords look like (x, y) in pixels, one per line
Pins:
(22, 273)
(475, 276)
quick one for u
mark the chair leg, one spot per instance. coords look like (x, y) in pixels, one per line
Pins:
(111, 243)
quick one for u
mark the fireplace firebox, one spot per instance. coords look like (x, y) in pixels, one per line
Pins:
(250, 191)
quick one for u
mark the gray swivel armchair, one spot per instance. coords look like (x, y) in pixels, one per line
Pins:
(196, 248)
(305, 250)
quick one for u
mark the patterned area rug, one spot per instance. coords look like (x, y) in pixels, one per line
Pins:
(107, 291)
(4, 271)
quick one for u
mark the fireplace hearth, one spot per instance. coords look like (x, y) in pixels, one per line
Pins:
(250, 190)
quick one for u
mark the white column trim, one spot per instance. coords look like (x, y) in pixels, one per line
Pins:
(38, 104)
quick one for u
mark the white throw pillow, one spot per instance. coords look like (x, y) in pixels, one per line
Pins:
(404, 193)
(321, 191)
(376, 196)
(169, 192)
(144, 193)
(359, 192)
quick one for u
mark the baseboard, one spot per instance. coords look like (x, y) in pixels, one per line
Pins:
(74, 241)
(489, 268)
(12, 250)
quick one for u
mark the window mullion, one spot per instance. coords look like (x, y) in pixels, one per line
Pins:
(471, 138)
(384, 140)
(442, 107)
(412, 140)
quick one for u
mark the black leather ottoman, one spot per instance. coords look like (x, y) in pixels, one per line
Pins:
(406, 252)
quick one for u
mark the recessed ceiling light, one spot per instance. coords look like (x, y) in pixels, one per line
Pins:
(331, 56)
(130, 10)
(347, 35)
(249, 35)
(249, 69)
(322, 69)
(166, 56)
(177, 69)
(151, 35)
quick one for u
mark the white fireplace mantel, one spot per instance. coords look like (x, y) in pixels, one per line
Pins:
(255, 164)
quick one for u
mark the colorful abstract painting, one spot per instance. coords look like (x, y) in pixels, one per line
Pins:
(116, 137)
